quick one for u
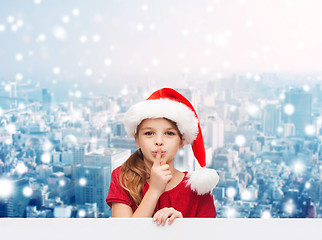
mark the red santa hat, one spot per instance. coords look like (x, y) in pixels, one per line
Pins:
(168, 103)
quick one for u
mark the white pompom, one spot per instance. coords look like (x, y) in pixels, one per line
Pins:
(203, 180)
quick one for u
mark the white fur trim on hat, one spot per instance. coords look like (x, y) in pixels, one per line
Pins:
(203, 180)
(184, 117)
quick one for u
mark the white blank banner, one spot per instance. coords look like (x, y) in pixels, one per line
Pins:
(145, 228)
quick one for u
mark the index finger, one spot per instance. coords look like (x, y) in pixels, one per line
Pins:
(158, 158)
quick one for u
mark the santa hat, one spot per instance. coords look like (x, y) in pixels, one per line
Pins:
(168, 103)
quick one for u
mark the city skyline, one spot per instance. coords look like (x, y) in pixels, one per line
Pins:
(264, 143)
(70, 70)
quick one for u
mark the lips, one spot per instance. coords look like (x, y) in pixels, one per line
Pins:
(154, 153)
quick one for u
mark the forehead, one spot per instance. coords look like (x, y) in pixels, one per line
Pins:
(156, 123)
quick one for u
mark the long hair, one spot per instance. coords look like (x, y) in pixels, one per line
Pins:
(133, 173)
(133, 176)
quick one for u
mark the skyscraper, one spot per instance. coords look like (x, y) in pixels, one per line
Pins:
(298, 110)
(93, 176)
(271, 119)
(46, 99)
(17, 202)
(215, 132)
(78, 154)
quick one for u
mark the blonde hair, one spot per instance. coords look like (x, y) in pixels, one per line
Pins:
(133, 174)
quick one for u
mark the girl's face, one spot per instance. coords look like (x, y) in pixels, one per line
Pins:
(157, 133)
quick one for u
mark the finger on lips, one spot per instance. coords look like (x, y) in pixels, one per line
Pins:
(157, 160)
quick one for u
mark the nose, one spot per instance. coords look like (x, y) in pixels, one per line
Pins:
(158, 140)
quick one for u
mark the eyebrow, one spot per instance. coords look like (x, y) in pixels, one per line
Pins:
(149, 128)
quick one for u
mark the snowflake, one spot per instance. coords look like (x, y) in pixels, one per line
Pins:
(6, 188)
(10, 19)
(204, 70)
(266, 214)
(59, 33)
(19, 57)
(82, 182)
(310, 130)
(65, 19)
(231, 192)
(83, 39)
(144, 7)
(139, 27)
(89, 72)
(78, 94)
(155, 61)
(246, 195)
(185, 32)
(11, 128)
(240, 140)
(46, 157)
(298, 167)
(108, 62)
(75, 12)
(20, 23)
(96, 38)
(2, 28)
(27, 191)
(289, 207)
(19, 76)
(41, 38)
(152, 27)
(81, 213)
(21, 168)
(56, 70)
(62, 183)
(306, 88)
(289, 109)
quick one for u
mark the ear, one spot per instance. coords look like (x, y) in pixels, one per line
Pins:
(181, 144)
(136, 138)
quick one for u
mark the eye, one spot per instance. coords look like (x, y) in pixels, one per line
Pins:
(170, 133)
(149, 133)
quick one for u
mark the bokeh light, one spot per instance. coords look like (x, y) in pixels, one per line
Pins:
(240, 140)
(21, 168)
(27, 191)
(289, 109)
(310, 130)
(289, 207)
(46, 157)
(82, 182)
(298, 167)
(82, 213)
(231, 192)
(266, 214)
(6, 188)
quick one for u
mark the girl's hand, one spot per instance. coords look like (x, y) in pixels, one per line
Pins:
(160, 175)
(163, 214)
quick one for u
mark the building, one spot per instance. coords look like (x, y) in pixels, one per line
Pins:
(46, 99)
(271, 119)
(17, 203)
(215, 132)
(298, 110)
(93, 177)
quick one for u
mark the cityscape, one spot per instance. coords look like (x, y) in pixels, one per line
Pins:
(263, 139)
(69, 70)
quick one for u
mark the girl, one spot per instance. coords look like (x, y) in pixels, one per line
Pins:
(147, 184)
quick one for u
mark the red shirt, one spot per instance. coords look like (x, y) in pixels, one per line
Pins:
(181, 198)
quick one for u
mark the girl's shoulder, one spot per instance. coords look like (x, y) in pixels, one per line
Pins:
(116, 171)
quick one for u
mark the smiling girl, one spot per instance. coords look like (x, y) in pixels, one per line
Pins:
(147, 184)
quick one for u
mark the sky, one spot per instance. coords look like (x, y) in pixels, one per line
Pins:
(97, 42)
